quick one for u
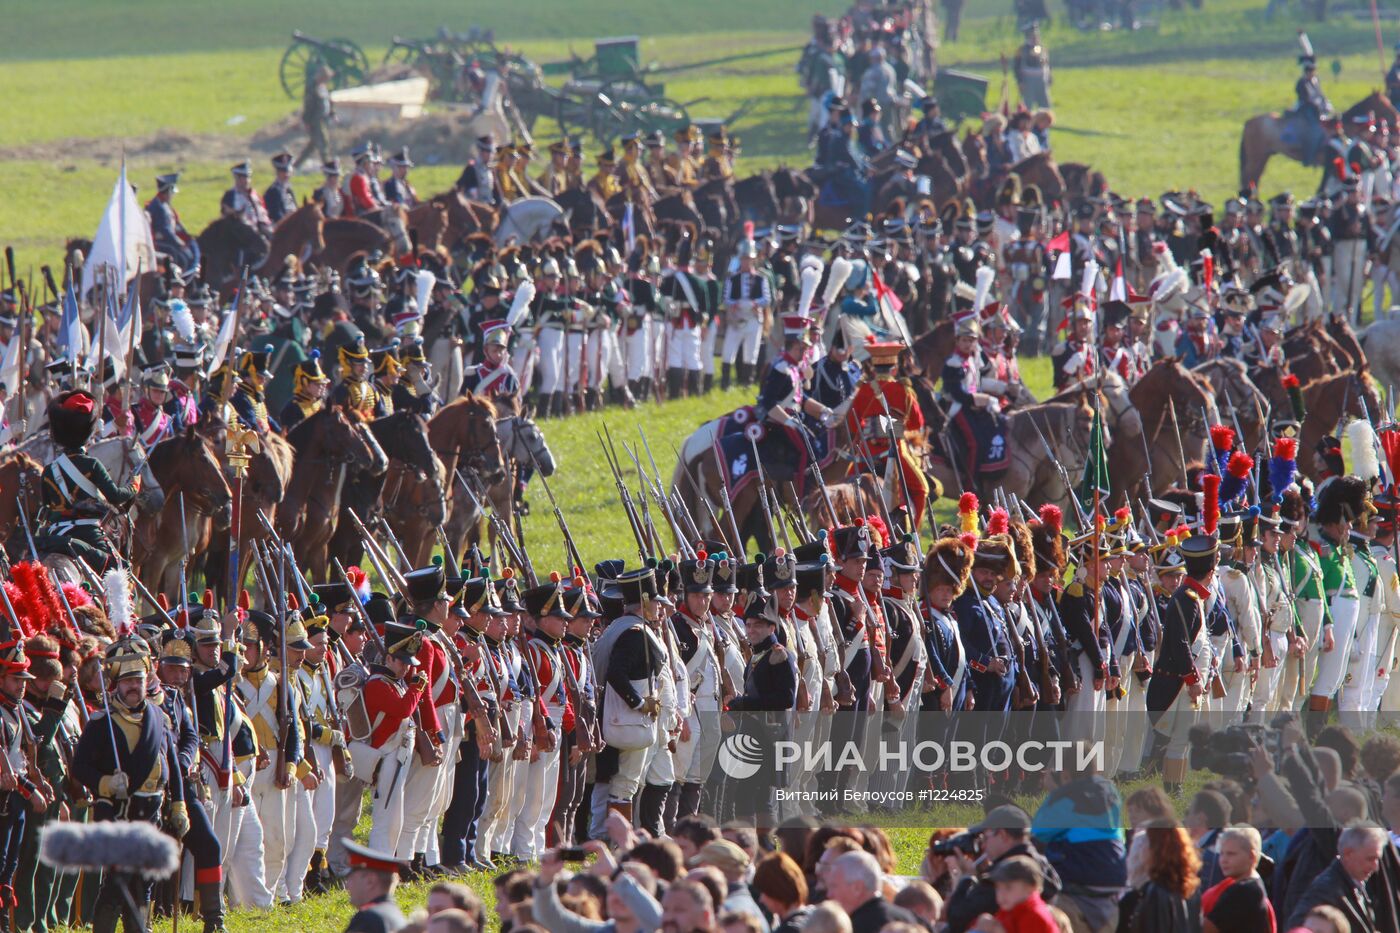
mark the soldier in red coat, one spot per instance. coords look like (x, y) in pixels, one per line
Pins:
(884, 408)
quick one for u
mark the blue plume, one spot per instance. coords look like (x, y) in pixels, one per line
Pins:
(1281, 473)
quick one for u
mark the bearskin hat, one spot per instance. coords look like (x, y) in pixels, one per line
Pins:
(949, 562)
(1048, 540)
(1292, 507)
(1020, 534)
(72, 417)
(44, 657)
(1346, 498)
(997, 552)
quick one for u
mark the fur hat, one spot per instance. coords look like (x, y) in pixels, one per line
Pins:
(1346, 498)
(1020, 534)
(1047, 538)
(949, 562)
(997, 552)
(72, 417)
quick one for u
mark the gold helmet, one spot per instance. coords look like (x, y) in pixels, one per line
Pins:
(353, 353)
(309, 371)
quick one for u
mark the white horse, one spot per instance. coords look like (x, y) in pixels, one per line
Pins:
(1381, 342)
(527, 219)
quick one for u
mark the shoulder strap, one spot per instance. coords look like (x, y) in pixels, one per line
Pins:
(71, 471)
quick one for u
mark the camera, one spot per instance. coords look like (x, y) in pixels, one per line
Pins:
(966, 843)
(1229, 751)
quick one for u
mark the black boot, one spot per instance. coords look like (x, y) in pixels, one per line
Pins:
(689, 803)
(625, 396)
(693, 382)
(105, 917)
(652, 807)
(675, 382)
(646, 389)
(708, 383)
(211, 903)
(745, 373)
(556, 405)
(672, 806)
(724, 376)
(415, 868)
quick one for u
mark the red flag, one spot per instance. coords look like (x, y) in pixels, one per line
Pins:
(884, 293)
(1058, 244)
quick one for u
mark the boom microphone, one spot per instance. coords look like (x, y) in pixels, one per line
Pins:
(135, 847)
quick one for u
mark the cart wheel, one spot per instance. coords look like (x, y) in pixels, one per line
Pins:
(353, 69)
(402, 54)
(296, 62)
(663, 114)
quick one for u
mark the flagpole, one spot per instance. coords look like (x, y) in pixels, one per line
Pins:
(121, 214)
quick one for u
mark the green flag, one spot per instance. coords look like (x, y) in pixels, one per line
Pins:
(1095, 468)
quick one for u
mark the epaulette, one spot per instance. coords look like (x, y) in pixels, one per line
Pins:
(778, 655)
(1075, 589)
(1193, 594)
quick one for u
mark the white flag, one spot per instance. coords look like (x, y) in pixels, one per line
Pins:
(123, 240)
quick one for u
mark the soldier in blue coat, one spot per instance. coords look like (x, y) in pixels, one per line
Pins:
(279, 199)
(982, 625)
(167, 232)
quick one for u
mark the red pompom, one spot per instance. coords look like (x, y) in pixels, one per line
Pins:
(554, 576)
(967, 502)
(1123, 516)
(292, 601)
(579, 580)
(1210, 512)
(163, 602)
(701, 555)
(245, 602)
(969, 539)
(1240, 465)
(507, 573)
(1053, 518)
(999, 523)
(1286, 448)
(80, 402)
(1290, 381)
(76, 595)
(209, 594)
(1222, 437)
(859, 522)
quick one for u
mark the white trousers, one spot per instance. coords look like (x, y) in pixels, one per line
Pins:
(541, 787)
(742, 337)
(708, 336)
(271, 803)
(1332, 666)
(1310, 615)
(574, 360)
(605, 359)
(551, 360)
(695, 759)
(323, 798)
(523, 359)
(1126, 728)
(419, 789)
(494, 827)
(1358, 690)
(1268, 694)
(301, 820)
(1348, 267)
(387, 799)
(683, 348)
(639, 352)
(240, 834)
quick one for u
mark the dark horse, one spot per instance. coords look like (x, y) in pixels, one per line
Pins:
(226, 246)
(404, 438)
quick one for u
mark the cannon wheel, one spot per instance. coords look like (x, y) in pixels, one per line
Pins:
(353, 66)
(295, 62)
(402, 54)
(346, 59)
(663, 114)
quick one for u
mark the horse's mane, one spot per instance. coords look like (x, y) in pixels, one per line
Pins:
(470, 400)
(167, 450)
(302, 433)
(21, 459)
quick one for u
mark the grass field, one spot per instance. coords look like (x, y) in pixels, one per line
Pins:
(185, 84)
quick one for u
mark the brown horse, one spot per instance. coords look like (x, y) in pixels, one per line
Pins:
(463, 435)
(860, 495)
(349, 236)
(1329, 402)
(1082, 181)
(1241, 400)
(1349, 352)
(20, 477)
(327, 446)
(299, 234)
(1152, 446)
(1312, 353)
(415, 509)
(226, 246)
(464, 216)
(1262, 137)
(188, 470)
(1040, 170)
(428, 225)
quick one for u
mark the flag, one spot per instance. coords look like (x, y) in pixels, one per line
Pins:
(123, 240)
(223, 341)
(629, 228)
(70, 327)
(11, 364)
(1096, 467)
(1060, 244)
(1118, 291)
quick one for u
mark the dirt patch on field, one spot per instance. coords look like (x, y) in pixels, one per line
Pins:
(443, 136)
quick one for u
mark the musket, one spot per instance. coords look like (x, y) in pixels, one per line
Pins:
(1060, 469)
(73, 621)
(625, 495)
(794, 515)
(678, 530)
(704, 500)
(778, 510)
(571, 553)
(518, 554)
(378, 560)
(763, 494)
(1147, 456)
(1180, 450)
(650, 535)
(693, 532)
(728, 505)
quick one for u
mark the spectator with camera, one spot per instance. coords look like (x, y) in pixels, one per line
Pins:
(1004, 833)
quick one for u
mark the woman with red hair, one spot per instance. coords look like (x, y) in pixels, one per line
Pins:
(1161, 904)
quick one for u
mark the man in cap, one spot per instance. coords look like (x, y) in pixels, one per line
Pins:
(718, 164)
(684, 161)
(334, 204)
(309, 383)
(973, 410)
(244, 202)
(507, 181)
(748, 299)
(1342, 503)
(604, 184)
(374, 874)
(1278, 619)
(629, 658)
(167, 232)
(1184, 667)
(77, 490)
(248, 399)
(279, 199)
(696, 641)
(1311, 106)
(176, 657)
(385, 365)
(364, 193)
(315, 677)
(494, 377)
(134, 785)
(556, 179)
(355, 392)
(1031, 66)
(398, 189)
(1003, 835)
(317, 114)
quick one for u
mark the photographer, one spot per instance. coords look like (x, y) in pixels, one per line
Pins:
(632, 903)
(1003, 833)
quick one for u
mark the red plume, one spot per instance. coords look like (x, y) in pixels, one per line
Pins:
(969, 539)
(209, 598)
(1210, 512)
(1122, 516)
(1240, 465)
(245, 602)
(1286, 448)
(1341, 165)
(1052, 518)
(163, 602)
(999, 523)
(879, 531)
(1222, 437)
(292, 601)
(967, 502)
(26, 627)
(76, 595)
(1290, 381)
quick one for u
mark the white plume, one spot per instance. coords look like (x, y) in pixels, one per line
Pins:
(836, 279)
(1165, 287)
(119, 601)
(520, 305)
(423, 282)
(182, 320)
(811, 278)
(986, 276)
(964, 291)
(1364, 462)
